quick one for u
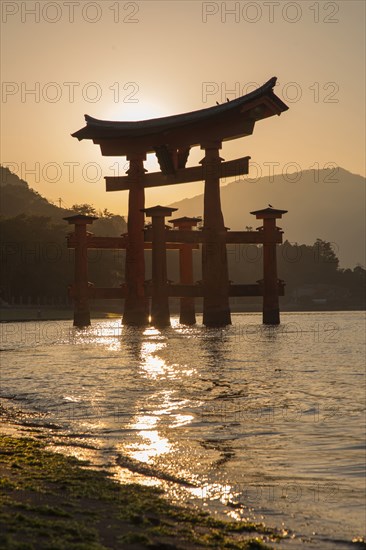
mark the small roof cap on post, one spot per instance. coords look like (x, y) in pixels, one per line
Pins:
(268, 213)
(159, 211)
(80, 219)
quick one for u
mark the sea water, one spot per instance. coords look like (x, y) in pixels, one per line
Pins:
(248, 422)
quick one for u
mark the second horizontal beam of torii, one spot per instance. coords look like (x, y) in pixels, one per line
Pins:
(231, 168)
(119, 243)
(176, 239)
(231, 237)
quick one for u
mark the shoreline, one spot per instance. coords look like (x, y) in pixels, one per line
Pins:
(50, 500)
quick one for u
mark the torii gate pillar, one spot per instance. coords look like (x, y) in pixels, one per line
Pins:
(216, 309)
(271, 308)
(80, 288)
(136, 310)
(160, 315)
(187, 314)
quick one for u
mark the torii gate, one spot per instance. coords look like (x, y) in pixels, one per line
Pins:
(171, 139)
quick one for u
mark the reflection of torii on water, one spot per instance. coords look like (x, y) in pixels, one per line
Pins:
(171, 139)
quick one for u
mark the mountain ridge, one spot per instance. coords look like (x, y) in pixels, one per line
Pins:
(18, 199)
(329, 204)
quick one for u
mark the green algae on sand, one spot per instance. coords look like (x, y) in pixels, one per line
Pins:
(52, 501)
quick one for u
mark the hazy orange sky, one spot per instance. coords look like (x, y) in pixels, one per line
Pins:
(138, 60)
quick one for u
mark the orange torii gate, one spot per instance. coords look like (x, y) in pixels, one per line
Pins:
(160, 237)
(171, 138)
